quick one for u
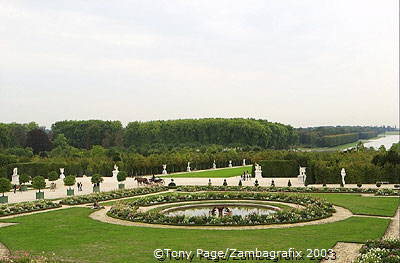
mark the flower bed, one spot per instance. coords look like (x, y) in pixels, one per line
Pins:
(380, 251)
(25, 207)
(104, 196)
(198, 188)
(313, 209)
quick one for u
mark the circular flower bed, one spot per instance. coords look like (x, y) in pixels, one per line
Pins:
(313, 209)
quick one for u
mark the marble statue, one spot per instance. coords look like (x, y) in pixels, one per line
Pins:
(257, 171)
(244, 162)
(188, 167)
(302, 175)
(115, 171)
(164, 169)
(62, 175)
(343, 174)
(214, 165)
(230, 164)
(15, 177)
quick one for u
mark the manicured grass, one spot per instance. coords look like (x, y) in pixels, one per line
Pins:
(72, 235)
(226, 172)
(363, 205)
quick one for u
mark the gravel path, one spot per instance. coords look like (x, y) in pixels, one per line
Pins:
(345, 252)
(393, 231)
(101, 215)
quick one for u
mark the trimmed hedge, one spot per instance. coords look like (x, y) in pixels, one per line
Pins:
(279, 168)
(314, 209)
(104, 196)
(25, 207)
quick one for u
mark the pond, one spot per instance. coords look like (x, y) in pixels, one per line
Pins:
(220, 210)
(387, 141)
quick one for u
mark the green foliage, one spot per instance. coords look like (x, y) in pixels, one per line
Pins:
(96, 179)
(38, 182)
(25, 207)
(52, 176)
(24, 178)
(38, 140)
(121, 176)
(228, 132)
(104, 196)
(5, 185)
(314, 209)
(69, 180)
(279, 168)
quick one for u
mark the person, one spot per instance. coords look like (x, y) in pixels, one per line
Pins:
(15, 188)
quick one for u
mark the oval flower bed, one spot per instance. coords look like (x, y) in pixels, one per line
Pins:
(313, 209)
(25, 207)
(104, 196)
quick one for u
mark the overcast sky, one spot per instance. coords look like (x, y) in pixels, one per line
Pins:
(304, 63)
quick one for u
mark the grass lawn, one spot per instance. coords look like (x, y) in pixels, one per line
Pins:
(225, 172)
(362, 205)
(72, 235)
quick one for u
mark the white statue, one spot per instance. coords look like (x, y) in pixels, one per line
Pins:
(214, 165)
(230, 164)
(164, 169)
(302, 175)
(15, 177)
(343, 174)
(257, 171)
(244, 162)
(188, 167)
(115, 171)
(62, 175)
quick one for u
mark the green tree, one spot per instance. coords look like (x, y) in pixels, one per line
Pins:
(5, 185)
(121, 176)
(24, 178)
(38, 182)
(69, 180)
(96, 179)
(52, 176)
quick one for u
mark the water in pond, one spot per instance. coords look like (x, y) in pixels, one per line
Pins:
(387, 141)
(219, 210)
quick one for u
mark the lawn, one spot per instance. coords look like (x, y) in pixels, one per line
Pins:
(363, 205)
(225, 172)
(71, 234)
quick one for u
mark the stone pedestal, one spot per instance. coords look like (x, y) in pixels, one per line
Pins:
(302, 176)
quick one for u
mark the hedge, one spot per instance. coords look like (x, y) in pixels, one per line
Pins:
(279, 168)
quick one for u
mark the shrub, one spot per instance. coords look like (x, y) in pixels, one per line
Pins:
(272, 183)
(24, 178)
(5, 185)
(380, 251)
(289, 184)
(378, 184)
(96, 179)
(240, 183)
(256, 183)
(359, 185)
(121, 176)
(52, 176)
(69, 180)
(225, 183)
(38, 182)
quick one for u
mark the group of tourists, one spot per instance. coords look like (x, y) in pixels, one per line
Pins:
(79, 185)
(246, 176)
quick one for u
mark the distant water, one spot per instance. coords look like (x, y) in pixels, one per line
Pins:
(387, 141)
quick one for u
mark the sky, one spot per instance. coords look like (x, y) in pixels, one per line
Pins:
(298, 62)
